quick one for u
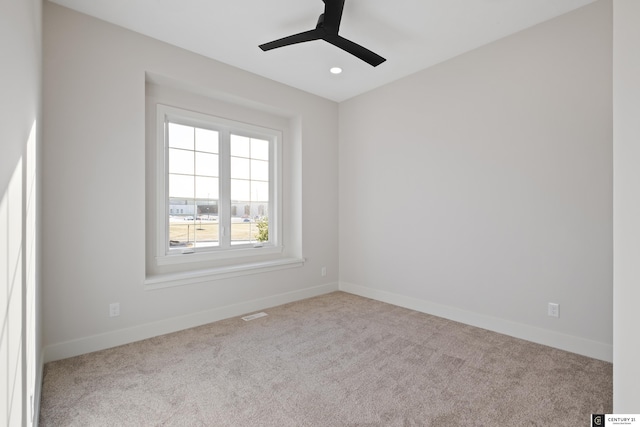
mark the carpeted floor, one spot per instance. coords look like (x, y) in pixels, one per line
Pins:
(333, 360)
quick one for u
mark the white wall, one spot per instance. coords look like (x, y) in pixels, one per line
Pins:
(626, 206)
(94, 127)
(20, 74)
(480, 189)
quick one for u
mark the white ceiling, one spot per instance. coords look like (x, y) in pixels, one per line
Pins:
(410, 34)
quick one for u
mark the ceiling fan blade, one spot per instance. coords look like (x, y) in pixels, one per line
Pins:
(355, 49)
(333, 14)
(306, 36)
(327, 29)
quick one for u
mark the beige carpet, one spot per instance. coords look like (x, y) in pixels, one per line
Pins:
(333, 360)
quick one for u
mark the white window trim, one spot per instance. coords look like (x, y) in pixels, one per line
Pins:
(217, 273)
(163, 256)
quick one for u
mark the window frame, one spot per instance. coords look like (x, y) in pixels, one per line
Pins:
(164, 255)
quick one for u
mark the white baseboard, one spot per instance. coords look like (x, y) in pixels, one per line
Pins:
(37, 393)
(594, 349)
(125, 336)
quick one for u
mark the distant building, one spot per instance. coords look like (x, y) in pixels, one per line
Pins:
(181, 207)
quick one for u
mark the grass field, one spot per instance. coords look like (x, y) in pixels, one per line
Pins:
(207, 231)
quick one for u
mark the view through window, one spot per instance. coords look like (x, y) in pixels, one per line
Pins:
(218, 186)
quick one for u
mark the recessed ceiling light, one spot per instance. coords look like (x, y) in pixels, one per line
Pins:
(335, 70)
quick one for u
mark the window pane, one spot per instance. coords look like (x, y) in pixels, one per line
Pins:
(180, 161)
(206, 188)
(260, 149)
(208, 209)
(206, 164)
(206, 229)
(262, 209)
(240, 168)
(181, 232)
(206, 140)
(261, 229)
(193, 223)
(240, 146)
(240, 190)
(259, 191)
(181, 186)
(250, 190)
(259, 170)
(242, 230)
(180, 206)
(180, 136)
(251, 223)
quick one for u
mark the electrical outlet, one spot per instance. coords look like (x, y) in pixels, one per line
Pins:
(553, 309)
(323, 271)
(114, 309)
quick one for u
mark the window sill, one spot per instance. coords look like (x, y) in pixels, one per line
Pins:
(205, 275)
(238, 253)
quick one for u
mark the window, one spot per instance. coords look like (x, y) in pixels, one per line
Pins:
(223, 186)
(217, 186)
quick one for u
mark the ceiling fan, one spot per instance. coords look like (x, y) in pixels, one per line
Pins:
(327, 30)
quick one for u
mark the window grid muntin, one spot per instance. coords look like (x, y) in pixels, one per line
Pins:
(252, 204)
(198, 236)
